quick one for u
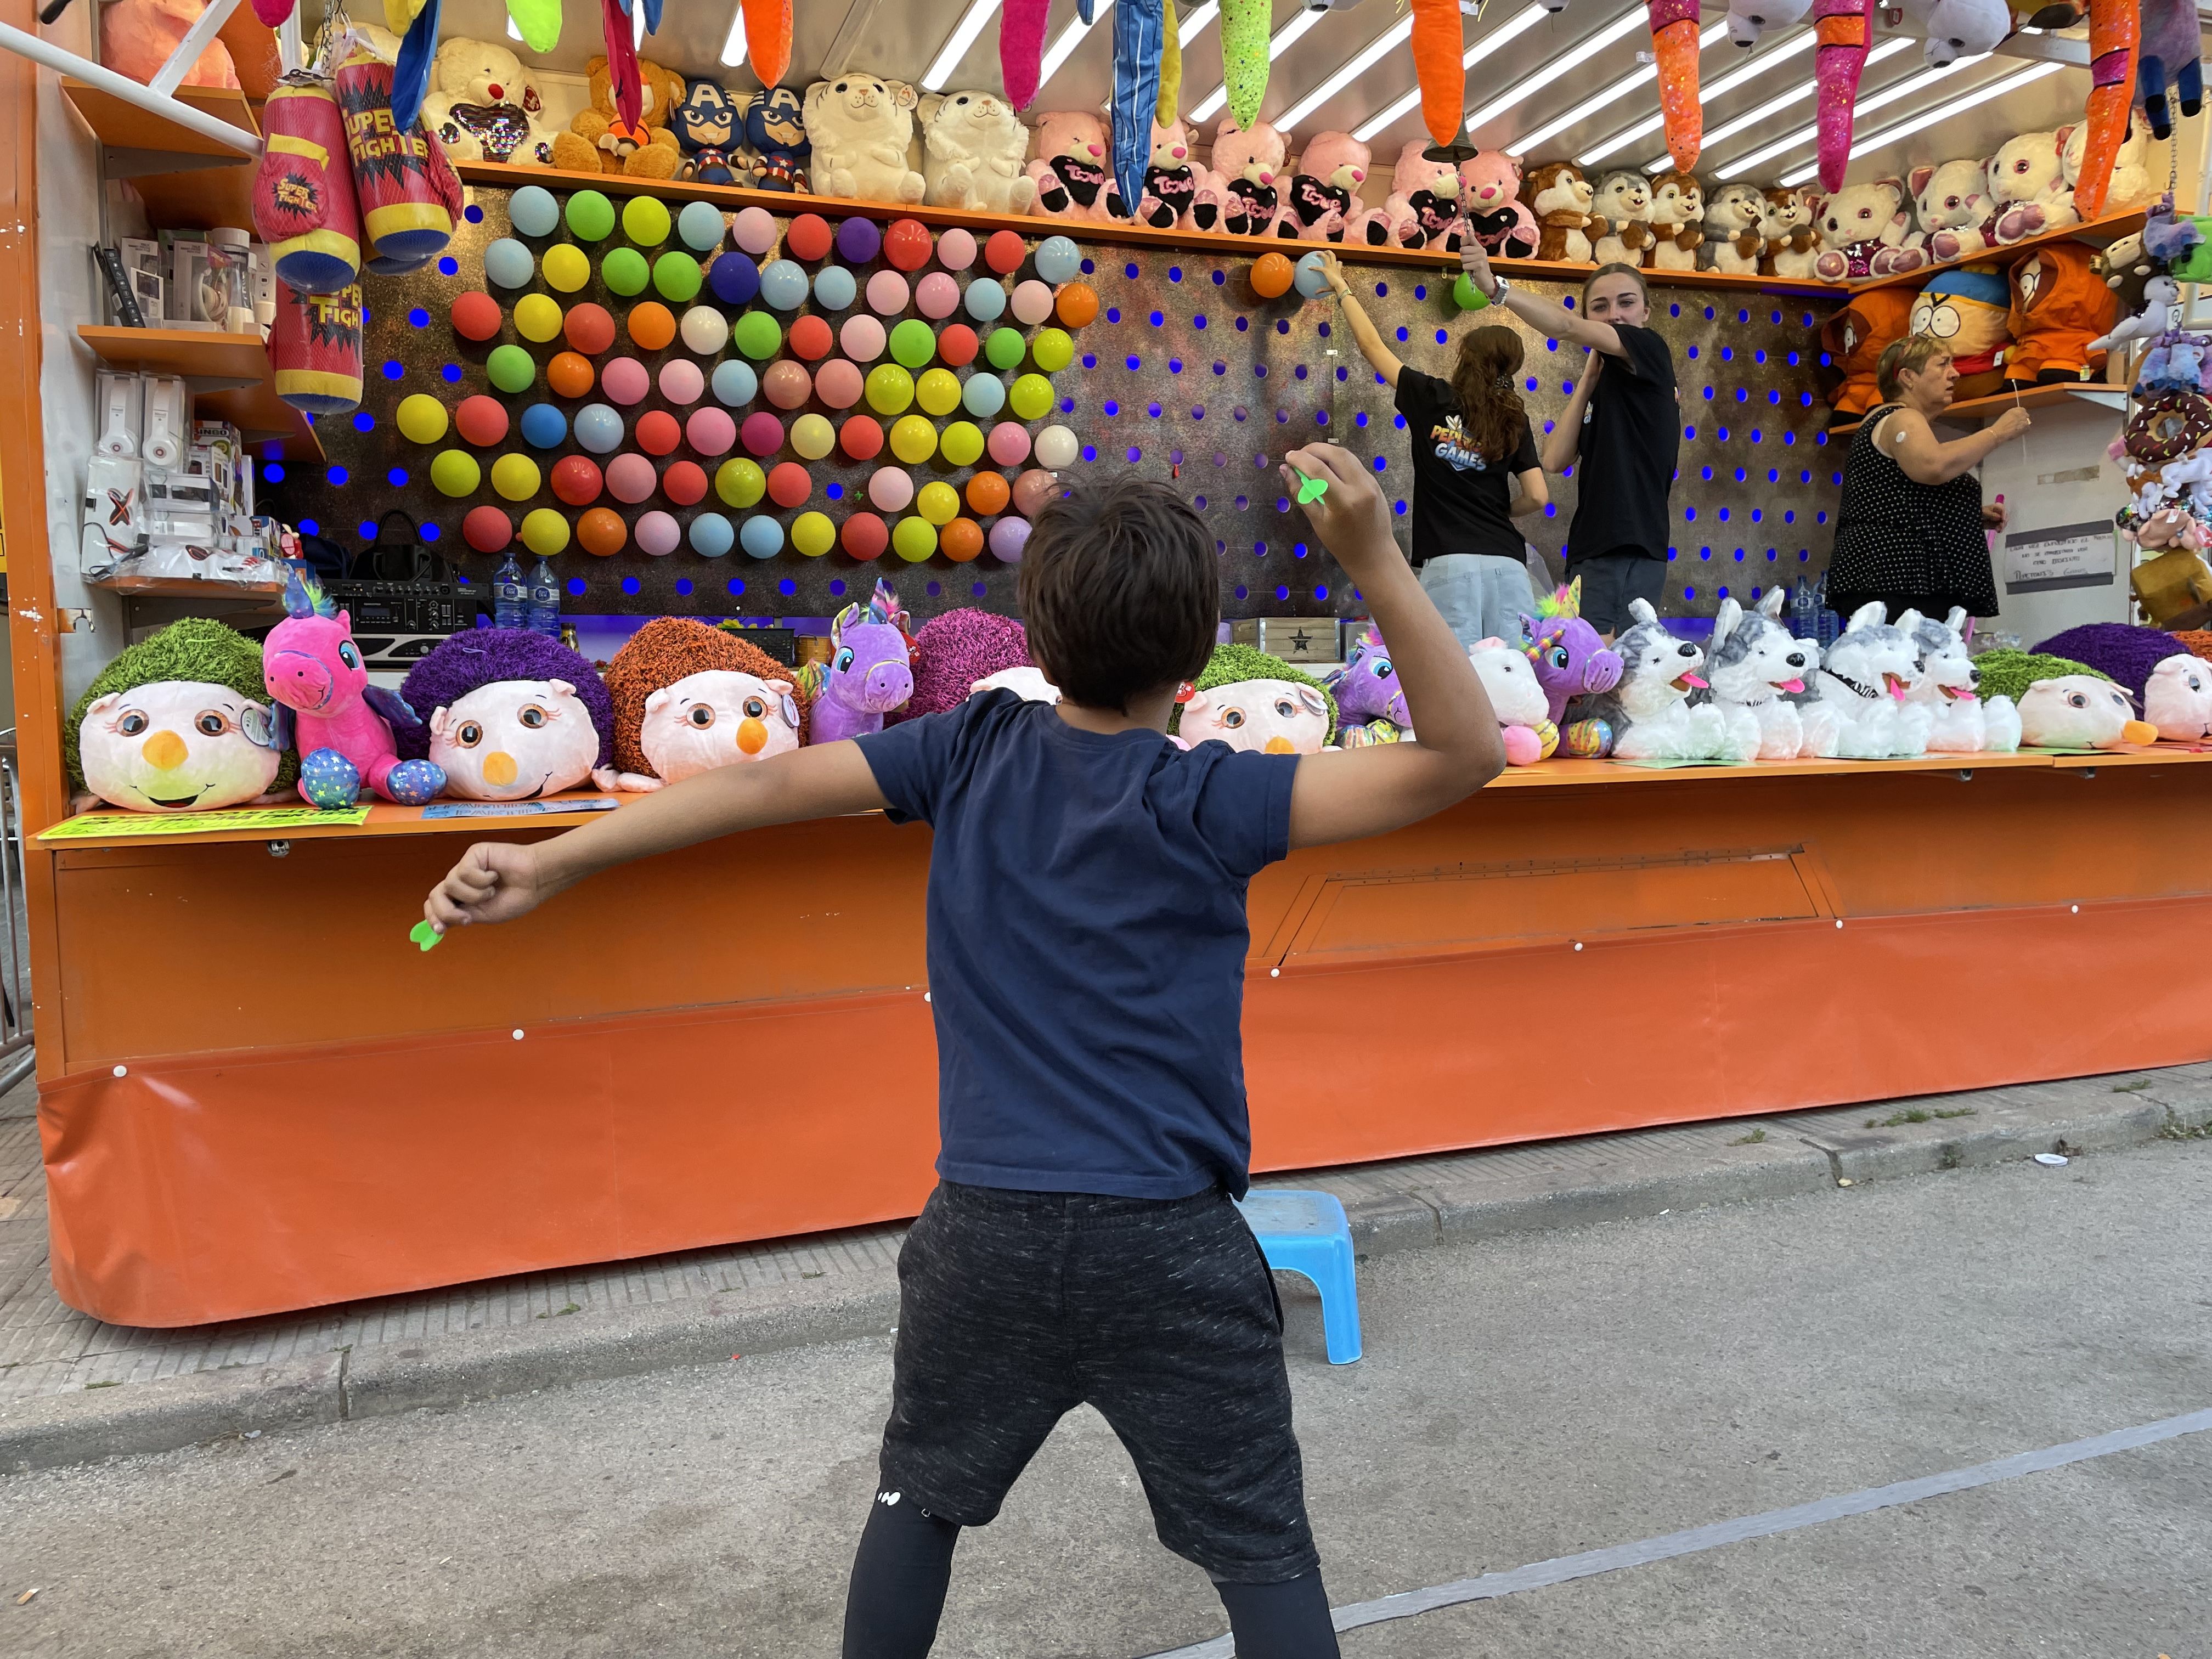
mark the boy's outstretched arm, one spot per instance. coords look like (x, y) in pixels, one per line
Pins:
(498, 881)
(1341, 795)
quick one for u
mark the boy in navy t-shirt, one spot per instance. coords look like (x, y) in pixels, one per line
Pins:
(1087, 938)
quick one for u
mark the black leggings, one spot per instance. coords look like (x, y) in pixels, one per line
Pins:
(904, 1564)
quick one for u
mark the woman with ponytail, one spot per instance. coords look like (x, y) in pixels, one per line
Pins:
(1471, 439)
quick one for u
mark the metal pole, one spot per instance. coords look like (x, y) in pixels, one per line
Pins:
(131, 92)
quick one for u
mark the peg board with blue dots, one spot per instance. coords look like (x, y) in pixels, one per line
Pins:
(1186, 374)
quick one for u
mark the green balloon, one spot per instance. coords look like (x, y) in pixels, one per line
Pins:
(1468, 296)
(1029, 397)
(645, 221)
(511, 368)
(1005, 348)
(1052, 350)
(889, 388)
(758, 335)
(591, 215)
(913, 343)
(455, 472)
(624, 271)
(740, 482)
(914, 539)
(676, 275)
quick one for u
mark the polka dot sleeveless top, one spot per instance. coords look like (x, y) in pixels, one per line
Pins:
(1896, 538)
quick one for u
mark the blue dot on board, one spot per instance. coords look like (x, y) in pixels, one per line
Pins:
(1220, 277)
(1129, 270)
(368, 530)
(1157, 319)
(273, 471)
(363, 420)
(629, 585)
(575, 587)
(309, 527)
(336, 475)
(449, 266)
(682, 586)
(473, 214)
(1113, 314)
(787, 586)
(450, 374)
(837, 588)
(1199, 321)
(419, 318)
(396, 477)
(392, 371)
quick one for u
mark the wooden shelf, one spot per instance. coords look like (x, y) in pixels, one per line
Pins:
(1976, 411)
(201, 200)
(141, 142)
(185, 587)
(2098, 232)
(229, 374)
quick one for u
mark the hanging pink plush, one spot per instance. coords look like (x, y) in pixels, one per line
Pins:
(1842, 29)
(621, 65)
(1674, 45)
(1021, 49)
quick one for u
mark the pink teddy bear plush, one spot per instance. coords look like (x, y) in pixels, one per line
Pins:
(1250, 164)
(1424, 207)
(1490, 196)
(1177, 190)
(1322, 203)
(1074, 180)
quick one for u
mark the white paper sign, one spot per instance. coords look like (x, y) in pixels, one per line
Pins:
(2065, 556)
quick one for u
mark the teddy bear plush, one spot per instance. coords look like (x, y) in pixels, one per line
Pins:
(1623, 209)
(1072, 177)
(1732, 241)
(1490, 195)
(1322, 196)
(973, 148)
(2029, 187)
(773, 125)
(599, 141)
(711, 132)
(1178, 191)
(2131, 187)
(1255, 169)
(1863, 230)
(861, 127)
(1678, 212)
(1424, 209)
(1560, 197)
(1956, 212)
(484, 106)
(1786, 228)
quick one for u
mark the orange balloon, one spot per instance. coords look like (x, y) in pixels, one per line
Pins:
(987, 493)
(1078, 303)
(651, 327)
(1272, 275)
(961, 540)
(569, 374)
(602, 532)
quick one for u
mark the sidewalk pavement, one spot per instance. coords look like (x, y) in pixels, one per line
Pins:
(73, 1389)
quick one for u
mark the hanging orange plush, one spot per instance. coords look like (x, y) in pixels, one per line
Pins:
(767, 38)
(1439, 69)
(1674, 44)
(2114, 29)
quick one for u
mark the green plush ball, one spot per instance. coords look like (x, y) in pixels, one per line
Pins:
(591, 215)
(1467, 296)
(2009, 674)
(625, 272)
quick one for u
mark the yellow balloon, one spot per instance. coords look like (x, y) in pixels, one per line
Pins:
(1051, 350)
(422, 418)
(811, 438)
(938, 501)
(1029, 397)
(537, 318)
(914, 539)
(913, 440)
(813, 534)
(544, 531)
(455, 473)
(937, 391)
(962, 444)
(514, 476)
(565, 267)
(889, 388)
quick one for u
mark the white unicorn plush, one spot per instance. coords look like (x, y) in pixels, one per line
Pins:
(1517, 697)
(1949, 685)
(1649, 713)
(1865, 680)
(1757, 667)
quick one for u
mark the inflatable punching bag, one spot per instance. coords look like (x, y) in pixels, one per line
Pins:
(315, 349)
(409, 195)
(303, 199)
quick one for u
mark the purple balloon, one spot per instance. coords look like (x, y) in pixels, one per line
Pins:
(1008, 537)
(858, 241)
(734, 278)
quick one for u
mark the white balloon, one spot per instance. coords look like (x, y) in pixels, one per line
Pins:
(1056, 448)
(706, 331)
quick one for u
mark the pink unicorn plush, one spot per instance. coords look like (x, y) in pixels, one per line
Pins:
(310, 665)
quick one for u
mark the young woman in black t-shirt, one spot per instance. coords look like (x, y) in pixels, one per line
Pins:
(1470, 436)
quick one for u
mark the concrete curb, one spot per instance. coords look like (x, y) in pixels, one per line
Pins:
(1514, 1189)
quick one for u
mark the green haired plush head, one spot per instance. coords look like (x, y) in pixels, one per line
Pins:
(179, 723)
(2006, 672)
(1249, 700)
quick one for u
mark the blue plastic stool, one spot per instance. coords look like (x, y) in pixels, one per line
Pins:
(1306, 1233)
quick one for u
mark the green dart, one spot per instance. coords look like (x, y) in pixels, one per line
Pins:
(1312, 491)
(426, 936)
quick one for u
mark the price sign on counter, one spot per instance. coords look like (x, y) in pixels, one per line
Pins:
(2068, 555)
(88, 826)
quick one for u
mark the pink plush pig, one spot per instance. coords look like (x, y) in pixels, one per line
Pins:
(1178, 191)
(1322, 203)
(1424, 206)
(1074, 180)
(1490, 196)
(1251, 165)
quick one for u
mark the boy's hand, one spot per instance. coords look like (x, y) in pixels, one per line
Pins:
(1475, 262)
(495, 881)
(1351, 518)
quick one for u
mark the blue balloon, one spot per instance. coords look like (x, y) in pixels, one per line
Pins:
(834, 287)
(533, 211)
(783, 284)
(543, 426)
(734, 278)
(598, 428)
(700, 225)
(507, 263)
(1058, 259)
(1310, 280)
(984, 395)
(735, 384)
(711, 535)
(986, 300)
(761, 536)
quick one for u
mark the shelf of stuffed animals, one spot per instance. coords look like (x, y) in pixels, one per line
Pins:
(229, 376)
(1976, 411)
(2097, 233)
(731, 197)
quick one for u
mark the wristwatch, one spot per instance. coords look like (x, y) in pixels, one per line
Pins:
(1504, 287)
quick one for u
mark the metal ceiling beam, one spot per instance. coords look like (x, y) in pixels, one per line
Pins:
(839, 59)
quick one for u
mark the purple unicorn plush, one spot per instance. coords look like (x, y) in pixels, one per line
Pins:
(1571, 657)
(310, 665)
(1366, 688)
(871, 669)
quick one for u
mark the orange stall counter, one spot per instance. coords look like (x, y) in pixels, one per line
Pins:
(257, 1096)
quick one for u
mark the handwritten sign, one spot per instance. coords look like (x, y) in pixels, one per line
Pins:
(2068, 555)
(274, 820)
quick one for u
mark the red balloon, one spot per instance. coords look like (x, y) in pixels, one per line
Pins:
(788, 484)
(487, 529)
(1005, 252)
(908, 245)
(810, 337)
(602, 532)
(1033, 489)
(808, 237)
(957, 344)
(589, 328)
(861, 437)
(477, 315)
(480, 420)
(576, 481)
(684, 483)
(864, 536)
(658, 432)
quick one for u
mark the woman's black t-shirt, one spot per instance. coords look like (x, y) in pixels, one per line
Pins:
(1630, 435)
(1462, 503)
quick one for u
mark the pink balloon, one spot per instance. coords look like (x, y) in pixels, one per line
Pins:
(890, 490)
(862, 338)
(887, 294)
(753, 230)
(956, 249)
(1010, 443)
(710, 431)
(681, 382)
(838, 383)
(631, 478)
(1033, 489)
(1032, 301)
(625, 381)
(657, 533)
(788, 384)
(936, 296)
(762, 434)
(1008, 538)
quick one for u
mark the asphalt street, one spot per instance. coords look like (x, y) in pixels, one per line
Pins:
(1525, 1398)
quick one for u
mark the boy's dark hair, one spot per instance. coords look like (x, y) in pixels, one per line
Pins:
(1119, 591)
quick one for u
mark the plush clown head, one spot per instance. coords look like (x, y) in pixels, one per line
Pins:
(511, 714)
(1249, 700)
(179, 723)
(717, 718)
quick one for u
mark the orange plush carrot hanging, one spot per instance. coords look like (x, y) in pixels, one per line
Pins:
(1438, 68)
(768, 37)
(1674, 44)
(2114, 29)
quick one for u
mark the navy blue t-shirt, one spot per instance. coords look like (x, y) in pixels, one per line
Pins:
(1087, 940)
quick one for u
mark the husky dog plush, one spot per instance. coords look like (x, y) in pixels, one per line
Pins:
(1756, 666)
(1950, 684)
(1649, 715)
(1866, 679)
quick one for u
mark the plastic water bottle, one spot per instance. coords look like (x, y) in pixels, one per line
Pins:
(545, 600)
(510, 602)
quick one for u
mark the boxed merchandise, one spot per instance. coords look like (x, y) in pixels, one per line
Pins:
(1293, 639)
(115, 522)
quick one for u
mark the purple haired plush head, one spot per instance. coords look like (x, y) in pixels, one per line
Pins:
(871, 669)
(953, 651)
(511, 714)
(1571, 657)
(2122, 653)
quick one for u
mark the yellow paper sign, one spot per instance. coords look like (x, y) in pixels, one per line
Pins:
(89, 826)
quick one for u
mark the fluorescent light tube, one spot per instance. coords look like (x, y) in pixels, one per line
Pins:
(957, 44)
(1805, 136)
(733, 48)
(1526, 20)
(1282, 41)
(1621, 27)
(1611, 95)
(1396, 35)
(1957, 106)
(1195, 25)
(1803, 40)
(1070, 38)
(513, 32)
(636, 23)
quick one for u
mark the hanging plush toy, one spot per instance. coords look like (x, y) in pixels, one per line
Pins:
(1842, 27)
(767, 38)
(513, 715)
(347, 726)
(1674, 44)
(410, 195)
(1021, 48)
(1171, 98)
(2113, 27)
(416, 22)
(179, 723)
(1138, 27)
(1244, 57)
(1438, 68)
(315, 349)
(303, 202)
(539, 21)
(2170, 56)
